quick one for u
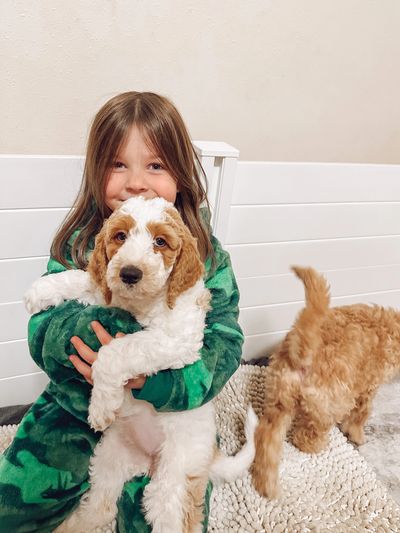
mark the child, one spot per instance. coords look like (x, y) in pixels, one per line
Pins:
(138, 145)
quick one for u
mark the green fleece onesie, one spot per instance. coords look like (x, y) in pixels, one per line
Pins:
(44, 472)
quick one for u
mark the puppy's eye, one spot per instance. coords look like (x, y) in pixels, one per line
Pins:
(159, 242)
(120, 236)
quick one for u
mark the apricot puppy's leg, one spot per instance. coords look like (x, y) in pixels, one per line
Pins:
(353, 424)
(269, 437)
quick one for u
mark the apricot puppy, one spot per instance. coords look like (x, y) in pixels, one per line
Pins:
(326, 371)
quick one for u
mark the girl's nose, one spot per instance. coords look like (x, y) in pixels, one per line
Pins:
(137, 181)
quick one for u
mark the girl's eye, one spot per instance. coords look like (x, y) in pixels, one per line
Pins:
(159, 242)
(118, 164)
(156, 166)
(120, 236)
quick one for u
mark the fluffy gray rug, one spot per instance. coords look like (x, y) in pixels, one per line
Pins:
(382, 446)
(334, 491)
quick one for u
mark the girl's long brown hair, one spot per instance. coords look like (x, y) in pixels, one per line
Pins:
(168, 137)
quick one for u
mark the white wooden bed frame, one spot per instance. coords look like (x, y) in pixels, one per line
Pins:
(343, 219)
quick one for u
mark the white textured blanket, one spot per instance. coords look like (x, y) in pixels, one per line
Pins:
(335, 491)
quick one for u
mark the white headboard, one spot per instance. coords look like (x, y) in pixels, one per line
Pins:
(342, 219)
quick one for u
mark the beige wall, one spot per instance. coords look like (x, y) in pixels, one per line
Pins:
(312, 80)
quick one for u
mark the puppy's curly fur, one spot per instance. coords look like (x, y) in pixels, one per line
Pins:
(326, 371)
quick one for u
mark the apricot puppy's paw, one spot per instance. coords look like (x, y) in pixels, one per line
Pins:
(266, 485)
(354, 433)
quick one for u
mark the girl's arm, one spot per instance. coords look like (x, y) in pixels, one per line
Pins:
(196, 384)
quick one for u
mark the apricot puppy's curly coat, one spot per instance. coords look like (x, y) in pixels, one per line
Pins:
(326, 371)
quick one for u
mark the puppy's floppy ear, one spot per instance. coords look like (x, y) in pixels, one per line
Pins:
(188, 267)
(97, 266)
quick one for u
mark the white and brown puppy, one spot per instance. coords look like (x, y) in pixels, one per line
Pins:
(146, 261)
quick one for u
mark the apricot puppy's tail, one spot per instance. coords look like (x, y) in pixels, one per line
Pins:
(304, 338)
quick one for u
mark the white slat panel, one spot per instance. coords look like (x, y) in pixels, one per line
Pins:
(305, 222)
(259, 346)
(275, 258)
(39, 181)
(15, 359)
(268, 318)
(276, 183)
(13, 321)
(22, 389)
(287, 288)
(16, 275)
(28, 233)
(273, 318)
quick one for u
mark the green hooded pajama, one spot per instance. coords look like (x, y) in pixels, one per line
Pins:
(44, 472)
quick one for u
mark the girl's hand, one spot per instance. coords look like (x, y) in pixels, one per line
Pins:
(90, 356)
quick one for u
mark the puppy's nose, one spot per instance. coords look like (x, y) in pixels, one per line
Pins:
(130, 274)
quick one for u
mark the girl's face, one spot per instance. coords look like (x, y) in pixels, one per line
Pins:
(138, 171)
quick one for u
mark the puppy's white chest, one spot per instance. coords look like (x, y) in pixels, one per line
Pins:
(140, 425)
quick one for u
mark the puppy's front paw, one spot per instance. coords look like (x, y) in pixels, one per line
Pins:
(104, 404)
(100, 419)
(35, 301)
